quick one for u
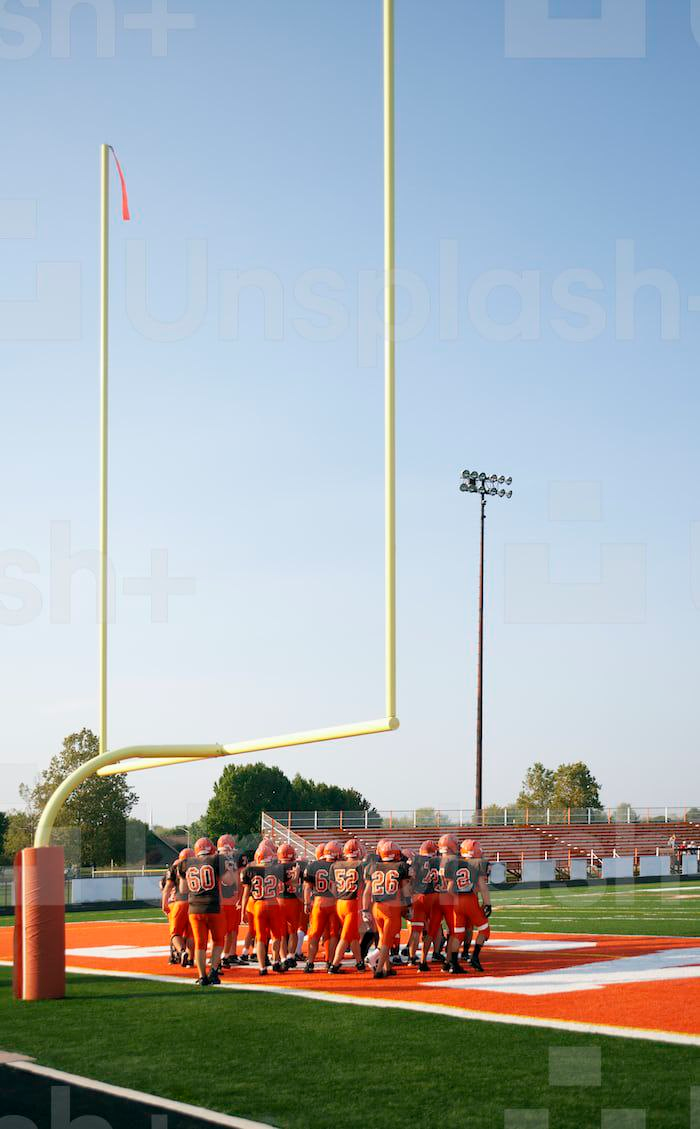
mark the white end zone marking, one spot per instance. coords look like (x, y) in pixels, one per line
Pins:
(668, 964)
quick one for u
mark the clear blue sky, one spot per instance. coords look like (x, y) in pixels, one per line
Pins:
(252, 450)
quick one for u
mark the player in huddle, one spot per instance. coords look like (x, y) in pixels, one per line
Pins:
(263, 885)
(426, 917)
(290, 903)
(347, 881)
(320, 904)
(204, 875)
(387, 895)
(462, 877)
(175, 904)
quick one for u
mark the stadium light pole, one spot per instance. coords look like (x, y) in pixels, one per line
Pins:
(484, 486)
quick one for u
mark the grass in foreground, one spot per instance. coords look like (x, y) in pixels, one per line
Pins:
(305, 1065)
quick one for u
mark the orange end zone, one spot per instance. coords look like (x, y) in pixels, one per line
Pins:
(626, 985)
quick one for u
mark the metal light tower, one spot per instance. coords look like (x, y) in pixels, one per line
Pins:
(485, 486)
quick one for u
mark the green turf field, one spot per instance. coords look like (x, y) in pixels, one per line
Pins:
(306, 1065)
(671, 909)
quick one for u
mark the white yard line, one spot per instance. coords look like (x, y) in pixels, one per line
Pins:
(673, 1037)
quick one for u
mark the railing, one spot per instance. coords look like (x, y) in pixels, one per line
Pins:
(282, 833)
(301, 821)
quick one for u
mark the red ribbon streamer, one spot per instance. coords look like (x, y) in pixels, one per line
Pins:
(126, 214)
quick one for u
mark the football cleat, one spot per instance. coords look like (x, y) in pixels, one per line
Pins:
(391, 972)
(279, 967)
(202, 981)
(334, 969)
(424, 966)
(378, 974)
(214, 977)
(309, 966)
(262, 972)
(475, 962)
(361, 966)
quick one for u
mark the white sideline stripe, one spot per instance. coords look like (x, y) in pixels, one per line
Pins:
(650, 1035)
(138, 1096)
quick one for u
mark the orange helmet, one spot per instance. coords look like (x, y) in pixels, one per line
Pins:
(468, 847)
(185, 853)
(204, 847)
(477, 852)
(286, 853)
(332, 850)
(429, 847)
(225, 843)
(388, 851)
(447, 845)
(319, 851)
(352, 849)
(264, 853)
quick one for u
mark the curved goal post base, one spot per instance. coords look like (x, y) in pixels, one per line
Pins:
(40, 924)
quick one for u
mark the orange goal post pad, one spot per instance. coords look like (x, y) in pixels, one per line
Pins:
(40, 930)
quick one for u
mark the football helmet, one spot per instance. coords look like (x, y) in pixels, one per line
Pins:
(286, 853)
(319, 851)
(332, 850)
(204, 846)
(264, 853)
(447, 845)
(185, 853)
(428, 847)
(352, 849)
(388, 851)
(225, 843)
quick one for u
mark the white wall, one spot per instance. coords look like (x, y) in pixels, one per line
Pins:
(96, 890)
(578, 871)
(654, 866)
(539, 870)
(147, 888)
(498, 873)
(618, 868)
(689, 864)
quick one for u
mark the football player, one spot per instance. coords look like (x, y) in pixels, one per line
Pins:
(230, 899)
(461, 875)
(476, 921)
(263, 882)
(367, 927)
(387, 893)
(448, 848)
(347, 881)
(204, 875)
(427, 915)
(290, 902)
(320, 902)
(175, 904)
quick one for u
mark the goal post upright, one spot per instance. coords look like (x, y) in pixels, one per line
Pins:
(141, 757)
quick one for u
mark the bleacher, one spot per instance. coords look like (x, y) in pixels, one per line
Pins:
(508, 844)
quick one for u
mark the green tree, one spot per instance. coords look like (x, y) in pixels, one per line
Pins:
(537, 789)
(92, 822)
(241, 794)
(310, 796)
(575, 786)
(4, 824)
